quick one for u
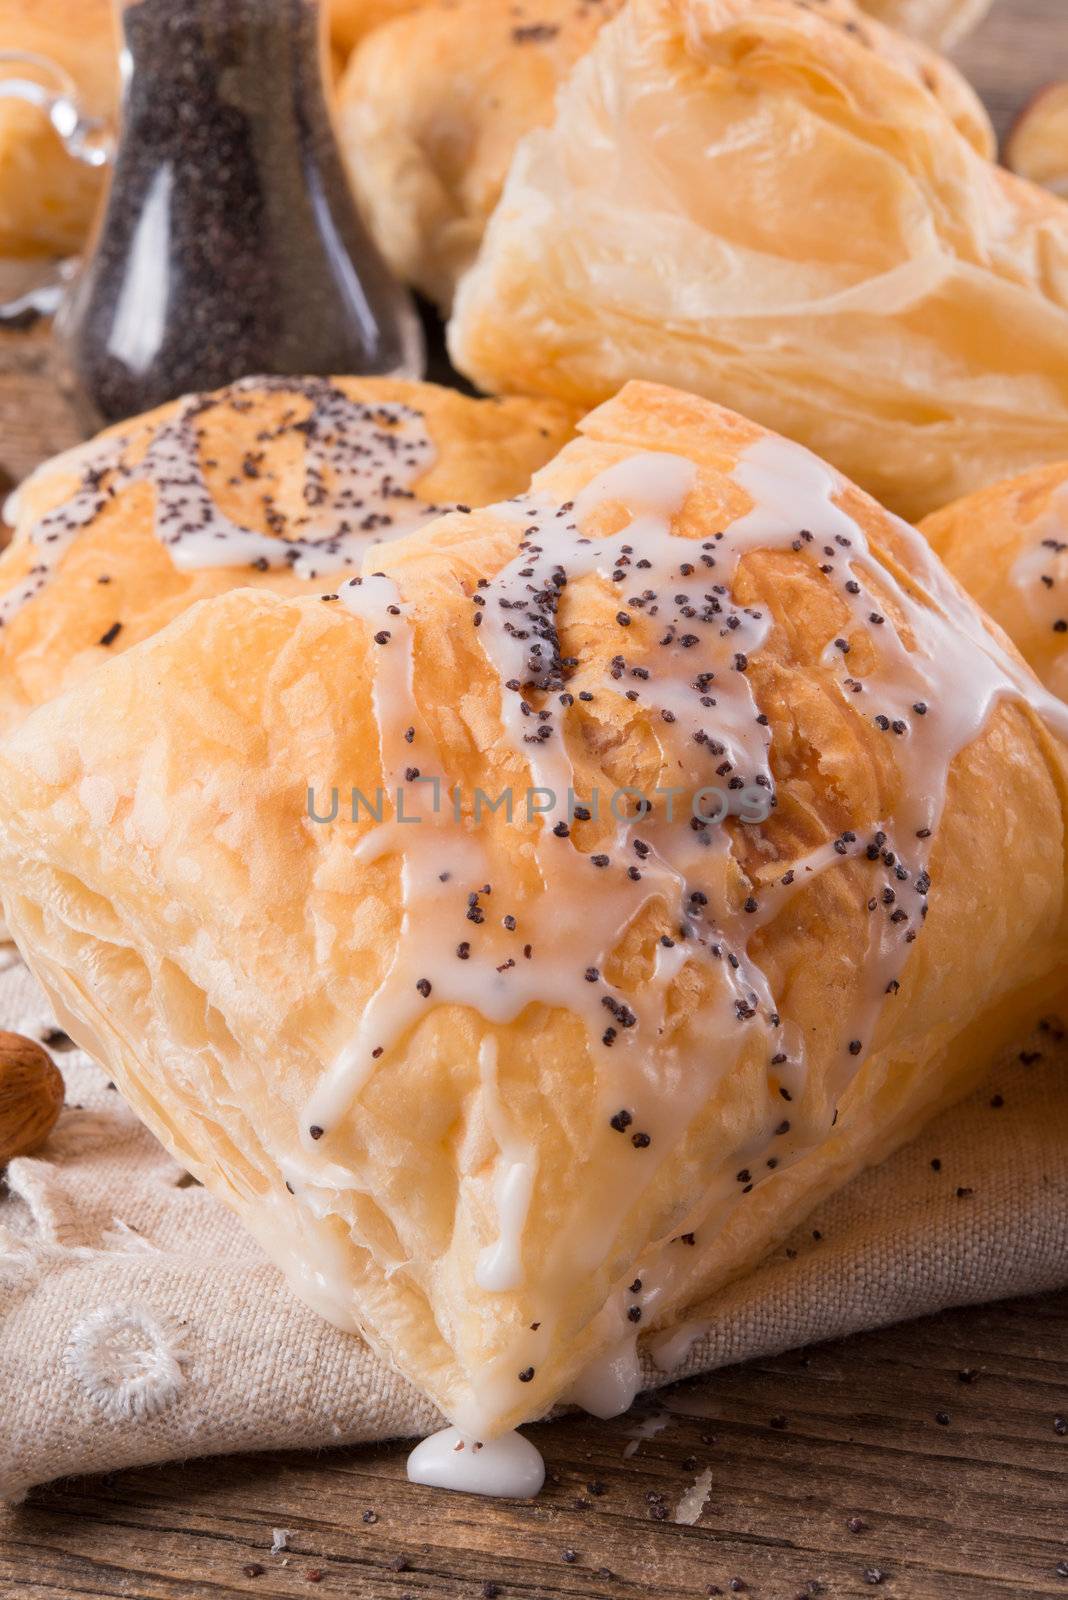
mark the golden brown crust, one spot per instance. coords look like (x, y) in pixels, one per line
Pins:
(217, 950)
(117, 571)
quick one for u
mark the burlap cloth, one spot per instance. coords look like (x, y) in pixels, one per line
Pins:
(139, 1323)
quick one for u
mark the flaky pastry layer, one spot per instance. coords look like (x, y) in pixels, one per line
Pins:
(432, 107)
(743, 198)
(487, 1086)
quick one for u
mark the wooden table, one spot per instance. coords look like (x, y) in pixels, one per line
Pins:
(866, 1467)
(829, 1466)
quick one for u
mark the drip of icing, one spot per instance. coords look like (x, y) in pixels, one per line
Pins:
(508, 1466)
(360, 462)
(607, 1386)
(500, 1266)
(939, 673)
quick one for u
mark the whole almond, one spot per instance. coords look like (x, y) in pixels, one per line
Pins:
(31, 1096)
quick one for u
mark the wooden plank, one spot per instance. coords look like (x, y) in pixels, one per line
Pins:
(826, 1465)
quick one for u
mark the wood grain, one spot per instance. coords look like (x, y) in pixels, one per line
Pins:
(799, 1448)
(1022, 45)
(803, 1451)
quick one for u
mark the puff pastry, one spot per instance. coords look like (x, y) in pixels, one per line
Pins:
(1037, 147)
(95, 564)
(431, 109)
(1008, 546)
(350, 20)
(506, 1092)
(742, 198)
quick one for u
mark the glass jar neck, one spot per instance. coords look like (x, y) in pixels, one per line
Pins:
(250, 49)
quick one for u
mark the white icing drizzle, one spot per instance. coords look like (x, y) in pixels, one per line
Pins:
(499, 1266)
(938, 675)
(360, 462)
(607, 1387)
(509, 1466)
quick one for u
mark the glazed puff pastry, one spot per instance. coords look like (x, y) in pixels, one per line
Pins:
(1008, 546)
(432, 107)
(506, 1087)
(742, 198)
(306, 473)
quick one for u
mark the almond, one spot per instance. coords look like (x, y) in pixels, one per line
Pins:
(31, 1096)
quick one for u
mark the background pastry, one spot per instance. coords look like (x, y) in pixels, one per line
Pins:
(432, 107)
(46, 197)
(350, 20)
(430, 110)
(1008, 546)
(623, 1052)
(745, 199)
(1037, 147)
(430, 114)
(99, 559)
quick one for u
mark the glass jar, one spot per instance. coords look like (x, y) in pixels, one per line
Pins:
(229, 242)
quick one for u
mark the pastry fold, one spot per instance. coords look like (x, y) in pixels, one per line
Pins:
(431, 109)
(92, 525)
(745, 199)
(507, 1092)
(1008, 546)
